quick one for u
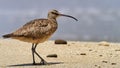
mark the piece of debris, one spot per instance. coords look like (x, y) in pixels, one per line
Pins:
(104, 43)
(52, 55)
(95, 65)
(104, 61)
(83, 54)
(60, 41)
(100, 55)
(113, 63)
(98, 66)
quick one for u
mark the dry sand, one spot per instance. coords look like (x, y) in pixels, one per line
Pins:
(76, 54)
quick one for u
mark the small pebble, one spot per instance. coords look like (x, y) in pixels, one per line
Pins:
(83, 54)
(104, 61)
(60, 41)
(97, 66)
(52, 55)
(113, 63)
(100, 55)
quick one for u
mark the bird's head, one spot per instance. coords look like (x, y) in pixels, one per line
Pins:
(54, 14)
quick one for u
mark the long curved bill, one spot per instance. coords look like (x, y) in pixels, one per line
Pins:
(68, 16)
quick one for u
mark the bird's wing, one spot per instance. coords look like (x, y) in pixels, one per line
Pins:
(34, 28)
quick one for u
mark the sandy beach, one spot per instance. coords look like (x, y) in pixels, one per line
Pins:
(75, 54)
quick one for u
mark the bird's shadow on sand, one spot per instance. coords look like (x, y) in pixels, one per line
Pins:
(37, 64)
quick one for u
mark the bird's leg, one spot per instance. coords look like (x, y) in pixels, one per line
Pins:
(42, 60)
(33, 51)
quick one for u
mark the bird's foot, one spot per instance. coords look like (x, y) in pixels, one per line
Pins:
(34, 63)
(43, 62)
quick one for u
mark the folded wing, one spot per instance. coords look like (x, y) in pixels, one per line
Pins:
(35, 28)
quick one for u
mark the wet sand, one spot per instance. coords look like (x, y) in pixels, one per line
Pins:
(75, 54)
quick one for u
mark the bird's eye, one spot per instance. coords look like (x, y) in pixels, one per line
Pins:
(54, 13)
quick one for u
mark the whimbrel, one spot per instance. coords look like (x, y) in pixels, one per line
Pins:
(37, 31)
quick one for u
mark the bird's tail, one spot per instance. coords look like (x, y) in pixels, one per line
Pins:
(7, 36)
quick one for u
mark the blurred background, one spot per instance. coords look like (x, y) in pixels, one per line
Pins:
(99, 20)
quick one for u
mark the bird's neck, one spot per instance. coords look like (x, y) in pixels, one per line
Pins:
(52, 19)
(53, 22)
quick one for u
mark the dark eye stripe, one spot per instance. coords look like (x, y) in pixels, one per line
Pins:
(54, 13)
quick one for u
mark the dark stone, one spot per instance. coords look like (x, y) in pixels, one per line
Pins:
(105, 61)
(100, 55)
(52, 55)
(113, 63)
(60, 41)
(83, 54)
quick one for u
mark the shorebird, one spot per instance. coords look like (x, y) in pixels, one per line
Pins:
(37, 31)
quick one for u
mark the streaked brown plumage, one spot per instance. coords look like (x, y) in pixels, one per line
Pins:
(37, 31)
